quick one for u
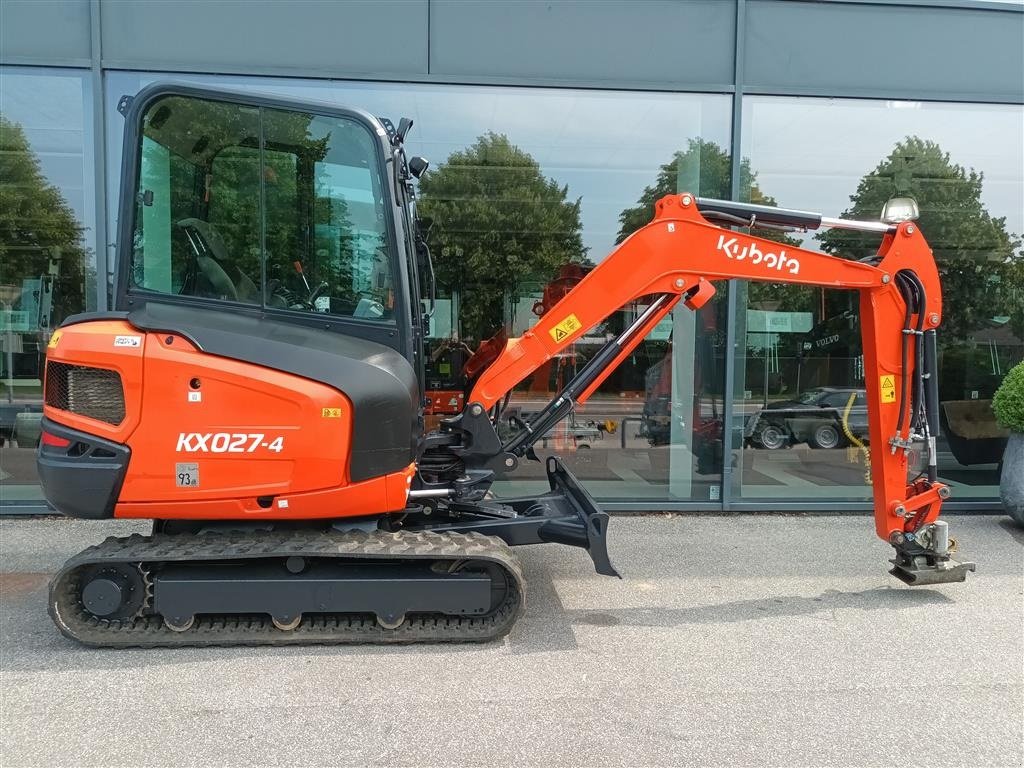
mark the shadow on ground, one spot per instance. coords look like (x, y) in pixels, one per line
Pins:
(662, 565)
(547, 626)
(1013, 529)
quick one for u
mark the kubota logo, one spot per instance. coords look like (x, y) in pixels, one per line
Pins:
(735, 250)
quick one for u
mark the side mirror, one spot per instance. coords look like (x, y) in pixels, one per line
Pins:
(899, 209)
(418, 166)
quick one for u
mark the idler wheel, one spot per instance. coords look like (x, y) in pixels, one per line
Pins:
(114, 592)
(102, 597)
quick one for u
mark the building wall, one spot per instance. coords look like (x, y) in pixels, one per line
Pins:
(817, 99)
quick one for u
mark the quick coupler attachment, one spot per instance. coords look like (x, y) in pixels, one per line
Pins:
(924, 557)
(586, 528)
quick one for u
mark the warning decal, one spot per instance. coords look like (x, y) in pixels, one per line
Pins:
(566, 328)
(888, 385)
(331, 413)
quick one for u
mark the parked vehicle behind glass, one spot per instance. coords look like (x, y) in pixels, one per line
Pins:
(814, 417)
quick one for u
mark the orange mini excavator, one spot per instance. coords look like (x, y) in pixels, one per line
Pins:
(258, 392)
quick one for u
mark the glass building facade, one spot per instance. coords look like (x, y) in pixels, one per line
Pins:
(538, 171)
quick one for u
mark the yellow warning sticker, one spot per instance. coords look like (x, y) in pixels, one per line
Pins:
(566, 328)
(331, 413)
(888, 385)
(53, 340)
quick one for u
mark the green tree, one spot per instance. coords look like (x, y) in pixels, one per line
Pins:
(705, 168)
(37, 226)
(980, 262)
(496, 220)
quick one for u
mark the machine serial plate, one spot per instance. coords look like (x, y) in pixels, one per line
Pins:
(186, 474)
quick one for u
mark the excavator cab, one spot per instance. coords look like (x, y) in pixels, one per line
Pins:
(258, 390)
(247, 202)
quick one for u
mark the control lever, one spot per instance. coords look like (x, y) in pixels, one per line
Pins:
(317, 292)
(298, 268)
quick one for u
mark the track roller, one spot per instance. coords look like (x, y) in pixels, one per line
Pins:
(286, 624)
(179, 625)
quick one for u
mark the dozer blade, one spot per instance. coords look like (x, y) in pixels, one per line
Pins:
(564, 515)
(916, 574)
(589, 529)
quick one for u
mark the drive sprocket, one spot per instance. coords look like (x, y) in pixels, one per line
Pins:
(115, 591)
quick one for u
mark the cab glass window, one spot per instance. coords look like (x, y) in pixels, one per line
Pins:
(261, 206)
(338, 259)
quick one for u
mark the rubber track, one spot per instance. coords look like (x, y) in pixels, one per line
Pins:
(75, 622)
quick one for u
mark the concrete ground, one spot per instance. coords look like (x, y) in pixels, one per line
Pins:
(731, 641)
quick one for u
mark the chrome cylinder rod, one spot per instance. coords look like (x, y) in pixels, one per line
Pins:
(431, 493)
(860, 226)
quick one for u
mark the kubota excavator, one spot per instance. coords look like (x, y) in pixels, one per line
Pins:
(258, 392)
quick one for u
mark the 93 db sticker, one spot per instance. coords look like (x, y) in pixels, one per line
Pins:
(186, 475)
(228, 442)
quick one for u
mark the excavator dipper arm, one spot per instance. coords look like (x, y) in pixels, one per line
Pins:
(680, 253)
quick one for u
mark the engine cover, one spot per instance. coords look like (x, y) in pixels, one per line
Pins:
(234, 417)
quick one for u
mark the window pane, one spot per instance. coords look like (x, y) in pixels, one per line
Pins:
(47, 248)
(327, 241)
(964, 164)
(234, 213)
(197, 226)
(529, 188)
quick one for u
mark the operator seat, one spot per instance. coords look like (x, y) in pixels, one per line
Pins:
(216, 264)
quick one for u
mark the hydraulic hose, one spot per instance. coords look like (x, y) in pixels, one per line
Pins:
(924, 406)
(854, 439)
(907, 292)
(931, 400)
(918, 404)
(926, 378)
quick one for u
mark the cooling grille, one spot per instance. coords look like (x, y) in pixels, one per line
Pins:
(93, 392)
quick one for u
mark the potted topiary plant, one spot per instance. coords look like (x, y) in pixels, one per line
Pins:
(1008, 405)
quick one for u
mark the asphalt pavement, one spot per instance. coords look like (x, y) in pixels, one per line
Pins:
(738, 640)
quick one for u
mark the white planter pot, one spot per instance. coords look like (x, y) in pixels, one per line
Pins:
(1011, 482)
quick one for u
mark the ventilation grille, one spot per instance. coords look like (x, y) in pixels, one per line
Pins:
(92, 392)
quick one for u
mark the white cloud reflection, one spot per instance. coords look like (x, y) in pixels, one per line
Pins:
(811, 153)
